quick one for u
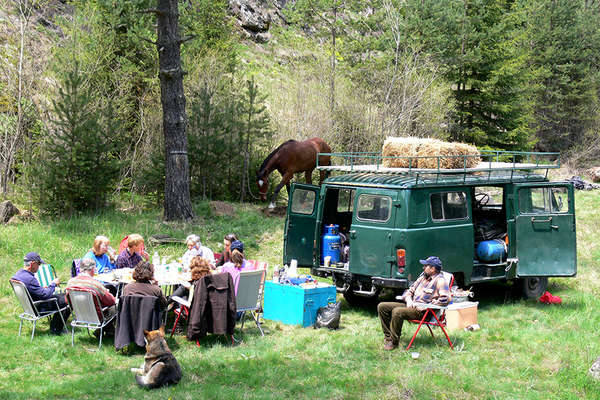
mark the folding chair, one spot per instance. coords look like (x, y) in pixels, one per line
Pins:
(45, 275)
(75, 267)
(30, 311)
(248, 297)
(183, 309)
(434, 315)
(88, 312)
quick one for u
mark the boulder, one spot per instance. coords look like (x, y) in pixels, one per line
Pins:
(252, 14)
(7, 211)
(594, 174)
(595, 369)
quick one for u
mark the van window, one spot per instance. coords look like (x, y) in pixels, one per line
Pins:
(374, 207)
(543, 200)
(345, 200)
(448, 205)
(303, 201)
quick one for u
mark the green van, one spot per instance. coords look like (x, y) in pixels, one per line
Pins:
(498, 221)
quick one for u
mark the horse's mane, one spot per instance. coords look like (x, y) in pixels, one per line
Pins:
(264, 164)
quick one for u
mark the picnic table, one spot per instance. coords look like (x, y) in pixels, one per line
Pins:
(167, 276)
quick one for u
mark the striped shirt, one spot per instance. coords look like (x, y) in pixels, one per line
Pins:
(431, 290)
(85, 281)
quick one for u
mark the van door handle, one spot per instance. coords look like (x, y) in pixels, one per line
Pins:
(541, 220)
(352, 234)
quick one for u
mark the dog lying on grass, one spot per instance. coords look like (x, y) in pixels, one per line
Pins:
(160, 367)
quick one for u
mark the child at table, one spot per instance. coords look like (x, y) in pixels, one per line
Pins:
(237, 264)
(200, 267)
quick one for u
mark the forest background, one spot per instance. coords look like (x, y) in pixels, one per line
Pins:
(80, 110)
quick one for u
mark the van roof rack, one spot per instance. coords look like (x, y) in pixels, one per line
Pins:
(494, 162)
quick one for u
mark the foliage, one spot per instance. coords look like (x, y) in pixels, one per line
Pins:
(78, 163)
(564, 40)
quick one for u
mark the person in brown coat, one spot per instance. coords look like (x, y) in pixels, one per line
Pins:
(145, 284)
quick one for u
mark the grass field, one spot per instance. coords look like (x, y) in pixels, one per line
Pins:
(524, 350)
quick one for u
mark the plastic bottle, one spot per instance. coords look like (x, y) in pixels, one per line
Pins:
(293, 272)
(276, 276)
(156, 258)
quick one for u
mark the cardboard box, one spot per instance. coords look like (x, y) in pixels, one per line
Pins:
(461, 315)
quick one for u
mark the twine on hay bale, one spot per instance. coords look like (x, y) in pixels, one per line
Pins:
(422, 153)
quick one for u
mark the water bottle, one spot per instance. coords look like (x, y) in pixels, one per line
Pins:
(156, 258)
(276, 276)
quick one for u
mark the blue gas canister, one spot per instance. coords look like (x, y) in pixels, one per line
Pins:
(331, 243)
(491, 250)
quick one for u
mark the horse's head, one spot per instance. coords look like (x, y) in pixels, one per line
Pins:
(263, 185)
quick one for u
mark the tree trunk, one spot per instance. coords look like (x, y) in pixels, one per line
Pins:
(177, 175)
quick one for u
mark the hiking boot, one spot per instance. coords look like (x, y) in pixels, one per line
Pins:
(388, 344)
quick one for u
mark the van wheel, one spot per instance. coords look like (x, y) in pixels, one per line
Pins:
(360, 301)
(532, 287)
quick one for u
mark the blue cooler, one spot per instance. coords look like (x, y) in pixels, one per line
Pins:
(295, 305)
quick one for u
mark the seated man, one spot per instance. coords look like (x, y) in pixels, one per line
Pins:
(85, 280)
(430, 288)
(133, 253)
(32, 262)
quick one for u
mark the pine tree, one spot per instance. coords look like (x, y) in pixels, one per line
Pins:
(564, 37)
(475, 41)
(79, 165)
(255, 125)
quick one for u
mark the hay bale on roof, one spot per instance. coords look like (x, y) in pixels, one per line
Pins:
(428, 153)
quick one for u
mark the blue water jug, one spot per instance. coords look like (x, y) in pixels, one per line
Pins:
(331, 244)
(491, 250)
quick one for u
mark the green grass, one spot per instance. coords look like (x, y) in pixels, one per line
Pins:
(524, 350)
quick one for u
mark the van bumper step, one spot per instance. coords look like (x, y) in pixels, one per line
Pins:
(389, 282)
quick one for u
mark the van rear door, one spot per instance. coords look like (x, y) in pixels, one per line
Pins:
(299, 234)
(371, 232)
(545, 229)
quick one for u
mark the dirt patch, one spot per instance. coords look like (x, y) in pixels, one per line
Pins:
(278, 211)
(221, 209)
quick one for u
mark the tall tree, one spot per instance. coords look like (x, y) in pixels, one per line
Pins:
(178, 205)
(563, 37)
(475, 41)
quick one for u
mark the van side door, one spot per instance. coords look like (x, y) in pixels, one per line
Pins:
(300, 224)
(371, 232)
(545, 229)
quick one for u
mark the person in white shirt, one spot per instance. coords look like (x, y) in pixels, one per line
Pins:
(195, 249)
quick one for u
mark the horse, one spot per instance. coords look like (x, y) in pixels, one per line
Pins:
(289, 158)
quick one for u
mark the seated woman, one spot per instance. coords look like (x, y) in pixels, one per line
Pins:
(133, 254)
(200, 267)
(195, 248)
(237, 264)
(226, 254)
(145, 284)
(101, 254)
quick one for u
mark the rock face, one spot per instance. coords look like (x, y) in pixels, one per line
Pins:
(7, 210)
(254, 17)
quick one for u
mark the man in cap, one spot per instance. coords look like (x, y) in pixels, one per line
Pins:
(31, 264)
(430, 287)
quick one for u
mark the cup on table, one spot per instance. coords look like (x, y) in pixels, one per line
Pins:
(327, 261)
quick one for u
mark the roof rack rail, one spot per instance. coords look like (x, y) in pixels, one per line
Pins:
(491, 161)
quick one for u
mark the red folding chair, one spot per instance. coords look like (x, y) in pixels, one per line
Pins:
(434, 315)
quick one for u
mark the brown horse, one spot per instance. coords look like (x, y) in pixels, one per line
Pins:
(289, 158)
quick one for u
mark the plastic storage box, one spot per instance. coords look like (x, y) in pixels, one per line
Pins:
(295, 305)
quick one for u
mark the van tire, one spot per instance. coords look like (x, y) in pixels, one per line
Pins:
(532, 287)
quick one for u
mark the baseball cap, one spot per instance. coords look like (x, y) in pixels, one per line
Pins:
(433, 261)
(33, 256)
(237, 245)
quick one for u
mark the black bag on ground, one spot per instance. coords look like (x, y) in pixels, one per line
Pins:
(329, 316)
